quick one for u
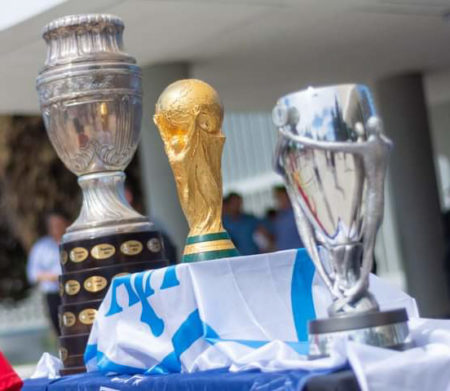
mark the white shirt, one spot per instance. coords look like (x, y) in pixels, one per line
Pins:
(44, 258)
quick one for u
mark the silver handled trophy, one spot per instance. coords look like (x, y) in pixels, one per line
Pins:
(91, 101)
(333, 157)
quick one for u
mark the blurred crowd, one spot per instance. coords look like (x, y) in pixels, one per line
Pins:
(252, 235)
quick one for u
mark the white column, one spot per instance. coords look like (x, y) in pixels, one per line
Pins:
(158, 183)
(401, 103)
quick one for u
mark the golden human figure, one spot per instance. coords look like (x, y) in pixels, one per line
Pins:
(189, 117)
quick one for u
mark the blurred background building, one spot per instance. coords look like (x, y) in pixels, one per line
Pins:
(252, 52)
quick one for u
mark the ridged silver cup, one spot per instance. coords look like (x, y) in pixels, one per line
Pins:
(91, 100)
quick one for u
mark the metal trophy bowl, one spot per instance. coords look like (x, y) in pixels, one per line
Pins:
(333, 157)
(91, 101)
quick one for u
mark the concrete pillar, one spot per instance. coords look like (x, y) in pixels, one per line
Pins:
(158, 183)
(402, 107)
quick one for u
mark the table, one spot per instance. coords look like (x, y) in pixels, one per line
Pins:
(214, 380)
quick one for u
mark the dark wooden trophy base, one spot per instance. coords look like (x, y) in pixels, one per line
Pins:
(88, 268)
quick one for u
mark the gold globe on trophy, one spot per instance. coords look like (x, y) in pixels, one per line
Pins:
(189, 116)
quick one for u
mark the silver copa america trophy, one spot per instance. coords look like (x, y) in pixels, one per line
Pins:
(333, 157)
(91, 101)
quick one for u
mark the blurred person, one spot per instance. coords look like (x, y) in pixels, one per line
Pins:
(268, 222)
(225, 208)
(44, 267)
(285, 228)
(245, 230)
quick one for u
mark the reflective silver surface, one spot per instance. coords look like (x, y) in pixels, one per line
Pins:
(387, 336)
(333, 157)
(91, 101)
(90, 93)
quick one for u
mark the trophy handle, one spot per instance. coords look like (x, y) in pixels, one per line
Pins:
(277, 162)
(375, 162)
(306, 232)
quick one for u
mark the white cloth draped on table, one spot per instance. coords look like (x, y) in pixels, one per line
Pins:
(241, 313)
(248, 312)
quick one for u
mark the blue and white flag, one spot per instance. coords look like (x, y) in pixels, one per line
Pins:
(237, 312)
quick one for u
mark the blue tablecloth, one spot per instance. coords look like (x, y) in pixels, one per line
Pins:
(215, 380)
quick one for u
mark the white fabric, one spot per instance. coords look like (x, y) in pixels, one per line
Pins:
(48, 366)
(425, 367)
(242, 298)
(243, 313)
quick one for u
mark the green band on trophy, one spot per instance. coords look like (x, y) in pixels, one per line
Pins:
(210, 246)
(206, 256)
(207, 237)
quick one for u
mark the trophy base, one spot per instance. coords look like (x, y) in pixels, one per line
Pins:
(72, 371)
(89, 265)
(210, 246)
(386, 329)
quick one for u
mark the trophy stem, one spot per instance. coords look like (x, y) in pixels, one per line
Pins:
(345, 262)
(105, 210)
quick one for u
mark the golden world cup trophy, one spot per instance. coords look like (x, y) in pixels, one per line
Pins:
(91, 101)
(189, 116)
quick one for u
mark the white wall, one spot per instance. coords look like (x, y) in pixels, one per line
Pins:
(247, 160)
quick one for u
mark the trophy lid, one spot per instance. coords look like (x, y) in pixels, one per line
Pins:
(79, 38)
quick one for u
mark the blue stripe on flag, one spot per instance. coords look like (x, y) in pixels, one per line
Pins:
(209, 332)
(190, 331)
(170, 364)
(301, 294)
(148, 315)
(90, 352)
(246, 342)
(115, 308)
(170, 278)
(300, 347)
(104, 364)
